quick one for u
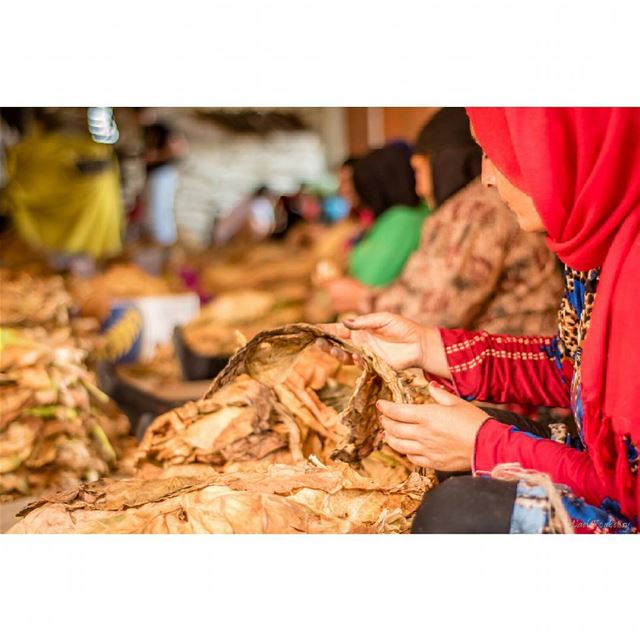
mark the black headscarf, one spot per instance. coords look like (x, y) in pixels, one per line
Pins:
(384, 178)
(455, 157)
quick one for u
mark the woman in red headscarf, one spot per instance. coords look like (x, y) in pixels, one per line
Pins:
(574, 173)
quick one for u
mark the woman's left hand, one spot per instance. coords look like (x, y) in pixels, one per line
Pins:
(441, 435)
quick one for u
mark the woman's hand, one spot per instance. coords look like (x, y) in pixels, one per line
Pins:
(347, 294)
(393, 338)
(440, 436)
(399, 341)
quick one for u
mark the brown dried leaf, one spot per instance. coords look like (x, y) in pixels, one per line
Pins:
(283, 499)
(207, 430)
(269, 357)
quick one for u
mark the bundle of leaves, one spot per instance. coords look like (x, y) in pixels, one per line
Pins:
(44, 301)
(303, 498)
(299, 402)
(27, 300)
(264, 451)
(57, 429)
(215, 330)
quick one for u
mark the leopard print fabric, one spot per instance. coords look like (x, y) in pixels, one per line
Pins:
(574, 320)
(574, 317)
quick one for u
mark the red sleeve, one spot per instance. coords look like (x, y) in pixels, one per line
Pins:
(497, 443)
(501, 368)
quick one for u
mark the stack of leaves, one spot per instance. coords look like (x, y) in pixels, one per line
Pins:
(44, 301)
(161, 368)
(270, 356)
(120, 281)
(282, 400)
(303, 498)
(28, 301)
(239, 423)
(263, 451)
(282, 270)
(57, 428)
(259, 266)
(214, 331)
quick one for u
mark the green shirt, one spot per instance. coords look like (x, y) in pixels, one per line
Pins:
(380, 256)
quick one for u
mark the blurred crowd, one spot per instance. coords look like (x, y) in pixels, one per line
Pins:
(408, 228)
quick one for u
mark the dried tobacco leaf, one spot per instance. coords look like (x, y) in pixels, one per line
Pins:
(269, 357)
(234, 424)
(214, 332)
(56, 428)
(27, 300)
(124, 280)
(284, 499)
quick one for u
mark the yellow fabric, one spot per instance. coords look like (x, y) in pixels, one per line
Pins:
(54, 206)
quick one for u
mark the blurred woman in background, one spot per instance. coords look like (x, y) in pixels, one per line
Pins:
(475, 267)
(164, 147)
(384, 183)
(347, 190)
(63, 192)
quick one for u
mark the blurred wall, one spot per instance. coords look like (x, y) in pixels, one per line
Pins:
(406, 122)
(369, 127)
(357, 130)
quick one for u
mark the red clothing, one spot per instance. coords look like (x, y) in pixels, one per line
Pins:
(501, 369)
(581, 167)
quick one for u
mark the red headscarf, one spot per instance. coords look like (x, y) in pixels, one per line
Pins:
(581, 167)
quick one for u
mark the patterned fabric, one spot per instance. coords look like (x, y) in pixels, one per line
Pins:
(475, 268)
(573, 323)
(532, 510)
(476, 361)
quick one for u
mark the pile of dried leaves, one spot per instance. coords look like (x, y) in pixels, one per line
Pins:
(269, 358)
(263, 451)
(161, 368)
(27, 300)
(259, 266)
(125, 280)
(279, 400)
(305, 498)
(57, 428)
(234, 317)
(239, 423)
(270, 284)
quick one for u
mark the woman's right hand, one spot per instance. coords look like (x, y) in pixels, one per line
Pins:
(399, 341)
